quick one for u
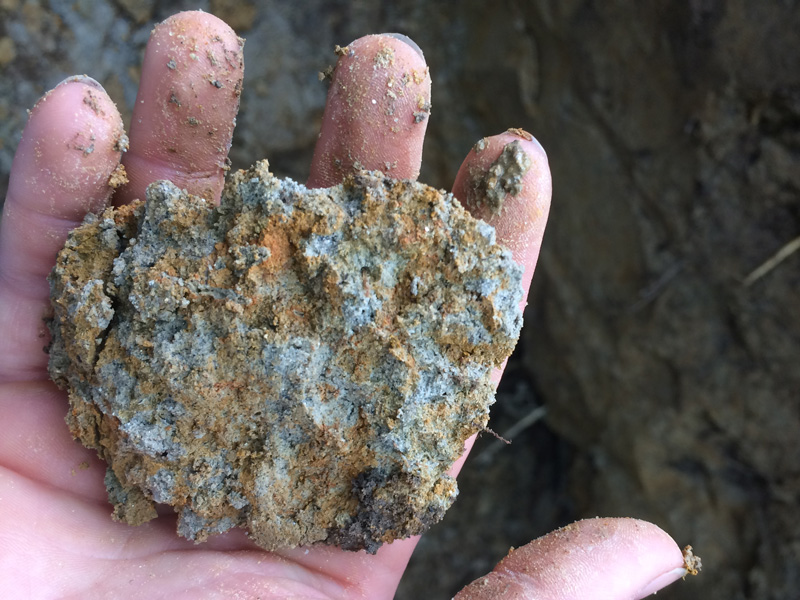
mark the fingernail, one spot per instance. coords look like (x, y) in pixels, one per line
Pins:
(72, 78)
(527, 137)
(535, 141)
(82, 79)
(661, 581)
(407, 40)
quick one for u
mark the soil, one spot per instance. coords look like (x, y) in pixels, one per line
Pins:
(488, 189)
(673, 133)
(305, 364)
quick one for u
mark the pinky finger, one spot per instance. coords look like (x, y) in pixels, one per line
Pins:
(609, 559)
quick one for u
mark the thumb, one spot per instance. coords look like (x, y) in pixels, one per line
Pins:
(608, 559)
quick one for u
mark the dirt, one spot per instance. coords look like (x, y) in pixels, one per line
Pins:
(285, 364)
(118, 177)
(384, 58)
(691, 562)
(672, 132)
(488, 188)
(480, 146)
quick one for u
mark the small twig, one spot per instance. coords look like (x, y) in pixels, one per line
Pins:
(532, 417)
(498, 437)
(652, 291)
(776, 259)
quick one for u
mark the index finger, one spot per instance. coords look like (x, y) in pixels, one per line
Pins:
(186, 108)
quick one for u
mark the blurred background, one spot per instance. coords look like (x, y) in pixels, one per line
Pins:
(654, 378)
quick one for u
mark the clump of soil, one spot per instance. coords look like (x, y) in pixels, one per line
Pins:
(489, 188)
(303, 363)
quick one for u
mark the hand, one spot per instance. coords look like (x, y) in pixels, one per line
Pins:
(56, 535)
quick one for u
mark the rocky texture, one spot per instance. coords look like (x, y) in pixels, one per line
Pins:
(672, 132)
(304, 363)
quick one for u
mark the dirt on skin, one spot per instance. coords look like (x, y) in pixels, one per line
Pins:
(488, 188)
(480, 146)
(190, 108)
(384, 58)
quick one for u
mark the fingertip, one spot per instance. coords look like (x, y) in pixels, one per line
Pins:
(505, 177)
(625, 558)
(376, 113)
(505, 180)
(651, 549)
(71, 145)
(186, 107)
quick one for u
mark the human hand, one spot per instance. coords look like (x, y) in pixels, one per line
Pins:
(56, 537)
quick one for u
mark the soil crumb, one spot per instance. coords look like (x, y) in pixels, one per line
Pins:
(480, 145)
(118, 177)
(691, 562)
(122, 143)
(384, 58)
(520, 133)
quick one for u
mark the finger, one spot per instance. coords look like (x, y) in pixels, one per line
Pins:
(505, 180)
(376, 113)
(63, 169)
(186, 107)
(605, 559)
(518, 213)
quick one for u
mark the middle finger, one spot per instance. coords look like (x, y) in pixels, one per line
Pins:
(376, 113)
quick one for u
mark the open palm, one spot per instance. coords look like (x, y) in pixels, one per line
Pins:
(57, 539)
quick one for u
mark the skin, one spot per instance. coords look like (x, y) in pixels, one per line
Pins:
(56, 536)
